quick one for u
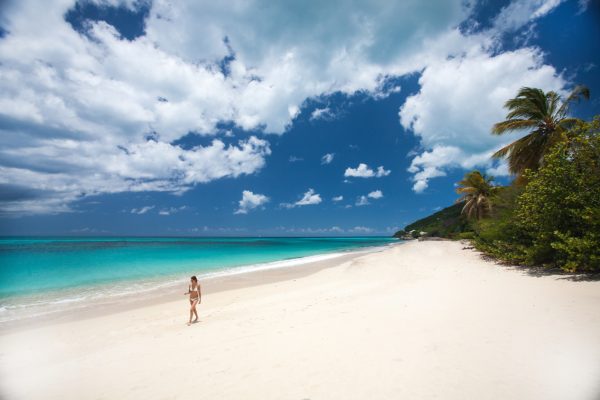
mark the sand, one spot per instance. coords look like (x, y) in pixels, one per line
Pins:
(421, 320)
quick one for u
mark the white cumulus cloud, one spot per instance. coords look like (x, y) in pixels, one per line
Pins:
(519, 12)
(462, 96)
(308, 198)
(459, 101)
(376, 194)
(250, 201)
(364, 200)
(321, 113)
(51, 173)
(363, 171)
(77, 108)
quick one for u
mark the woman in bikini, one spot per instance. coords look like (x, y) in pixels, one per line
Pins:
(195, 298)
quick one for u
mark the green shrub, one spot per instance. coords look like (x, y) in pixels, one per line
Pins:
(555, 221)
(498, 236)
(559, 211)
(466, 235)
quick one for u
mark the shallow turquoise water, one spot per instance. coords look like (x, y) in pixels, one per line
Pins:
(59, 267)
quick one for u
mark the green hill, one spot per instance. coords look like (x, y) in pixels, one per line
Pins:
(447, 223)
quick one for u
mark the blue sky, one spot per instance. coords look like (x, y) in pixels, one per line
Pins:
(153, 118)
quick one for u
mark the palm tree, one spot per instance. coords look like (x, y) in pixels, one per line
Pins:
(546, 115)
(475, 190)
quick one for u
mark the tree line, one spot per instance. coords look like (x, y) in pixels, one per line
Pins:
(550, 214)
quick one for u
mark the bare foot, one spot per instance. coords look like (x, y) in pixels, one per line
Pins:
(194, 321)
(189, 323)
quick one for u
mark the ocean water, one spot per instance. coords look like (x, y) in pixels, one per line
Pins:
(47, 275)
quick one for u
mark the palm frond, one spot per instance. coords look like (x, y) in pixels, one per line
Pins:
(513, 125)
(544, 114)
(526, 153)
(503, 152)
(529, 98)
(522, 153)
(475, 188)
(579, 92)
(553, 100)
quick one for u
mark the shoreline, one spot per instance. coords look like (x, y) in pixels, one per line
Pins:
(419, 320)
(212, 282)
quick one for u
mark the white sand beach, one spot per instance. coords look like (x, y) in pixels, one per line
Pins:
(421, 320)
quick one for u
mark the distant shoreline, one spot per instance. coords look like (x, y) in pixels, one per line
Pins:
(213, 281)
(8, 237)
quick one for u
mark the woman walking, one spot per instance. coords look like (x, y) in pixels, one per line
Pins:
(195, 298)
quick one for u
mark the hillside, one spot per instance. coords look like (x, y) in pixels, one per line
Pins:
(445, 223)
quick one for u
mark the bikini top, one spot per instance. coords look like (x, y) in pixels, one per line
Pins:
(194, 289)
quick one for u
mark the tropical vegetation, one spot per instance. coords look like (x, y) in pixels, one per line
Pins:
(554, 220)
(550, 215)
(546, 115)
(448, 222)
(476, 191)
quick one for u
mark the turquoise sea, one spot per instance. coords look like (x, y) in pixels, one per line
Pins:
(40, 275)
